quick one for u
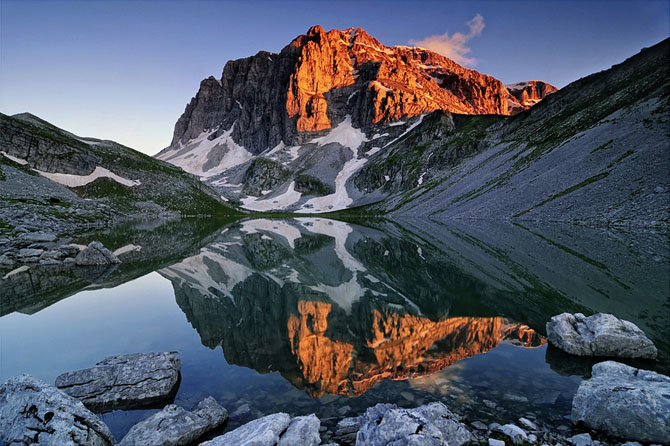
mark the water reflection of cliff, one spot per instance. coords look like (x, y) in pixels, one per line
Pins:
(335, 308)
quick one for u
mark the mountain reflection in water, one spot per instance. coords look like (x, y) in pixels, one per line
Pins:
(296, 297)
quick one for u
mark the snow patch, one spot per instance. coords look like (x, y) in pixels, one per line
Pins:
(127, 248)
(72, 180)
(20, 161)
(281, 228)
(282, 201)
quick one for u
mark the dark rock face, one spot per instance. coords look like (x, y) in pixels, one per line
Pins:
(63, 153)
(625, 402)
(523, 95)
(176, 426)
(33, 412)
(321, 77)
(124, 381)
(95, 254)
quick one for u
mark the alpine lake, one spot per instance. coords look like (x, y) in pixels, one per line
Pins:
(312, 315)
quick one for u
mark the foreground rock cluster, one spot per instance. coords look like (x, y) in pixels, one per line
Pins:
(41, 248)
(617, 402)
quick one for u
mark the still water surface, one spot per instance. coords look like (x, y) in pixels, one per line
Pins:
(315, 315)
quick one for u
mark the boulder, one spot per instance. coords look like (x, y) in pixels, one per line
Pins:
(124, 381)
(175, 426)
(95, 254)
(261, 432)
(38, 237)
(599, 335)
(69, 250)
(514, 432)
(302, 431)
(625, 402)
(432, 424)
(33, 412)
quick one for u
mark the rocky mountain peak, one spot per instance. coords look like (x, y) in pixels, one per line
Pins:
(320, 78)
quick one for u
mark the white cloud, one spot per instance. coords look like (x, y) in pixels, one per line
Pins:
(454, 46)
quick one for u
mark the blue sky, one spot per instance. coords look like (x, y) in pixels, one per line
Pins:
(125, 70)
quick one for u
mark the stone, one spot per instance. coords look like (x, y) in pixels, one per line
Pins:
(302, 431)
(34, 412)
(242, 411)
(479, 425)
(30, 252)
(176, 426)
(432, 424)
(124, 381)
(532, 438)
(514, 432)
(581, 440)
(38, 237)
(261, 432)
(528, 424)
(494, 442)
(69, 250)
(96, 254)
(624, 402)
(599, 335)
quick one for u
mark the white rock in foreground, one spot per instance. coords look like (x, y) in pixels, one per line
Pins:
(273, 430)
(625, 402)
(599, 335)
(33, 412)
(176, 426)
(432, 424)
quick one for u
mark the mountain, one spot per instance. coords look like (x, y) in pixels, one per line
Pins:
(594, 152)
(523, 95)
(51, 178)
(257, 134)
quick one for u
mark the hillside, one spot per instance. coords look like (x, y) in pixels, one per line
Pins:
(53, 179)
(597, 151)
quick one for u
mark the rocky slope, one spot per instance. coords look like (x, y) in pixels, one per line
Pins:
(338, 88)
(594, 152)
(53, 180)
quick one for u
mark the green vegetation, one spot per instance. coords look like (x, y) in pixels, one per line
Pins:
(567, 191)
(311, 185)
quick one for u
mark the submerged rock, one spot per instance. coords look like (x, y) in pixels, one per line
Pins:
(432, 424)
(176, 426)
(261, 432)
(96, 254)
(124, 381)
(625, 402)
(599, 335)
(33, 412)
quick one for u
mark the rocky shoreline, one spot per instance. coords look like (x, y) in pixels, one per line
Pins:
(617, 405)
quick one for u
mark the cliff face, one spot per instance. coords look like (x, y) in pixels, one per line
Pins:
(321, 77)
(523, 95)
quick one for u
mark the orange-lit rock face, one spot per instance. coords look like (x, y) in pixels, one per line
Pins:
(524, 95)
(402, 345)
(323, 363)
(398, 82)
(321, 77)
